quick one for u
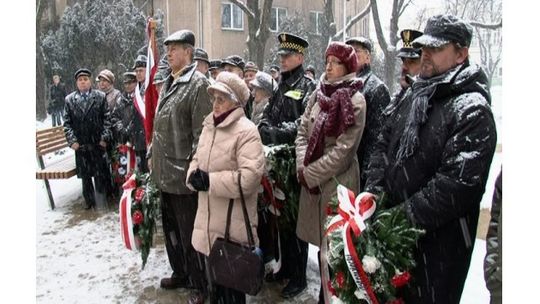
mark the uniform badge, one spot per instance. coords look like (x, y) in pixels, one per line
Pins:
(295, 94)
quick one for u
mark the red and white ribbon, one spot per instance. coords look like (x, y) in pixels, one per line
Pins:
(352, 213)
(132, 160)
(126, 225)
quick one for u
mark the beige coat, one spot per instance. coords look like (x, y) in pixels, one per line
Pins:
(233, 147)
(339, 161)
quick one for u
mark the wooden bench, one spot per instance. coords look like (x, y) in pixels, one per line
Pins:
(48, 141)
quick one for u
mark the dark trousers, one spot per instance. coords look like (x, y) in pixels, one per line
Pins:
(56, 117)
(295, 254)
(178, 215)
(142, 165)
(88, 187)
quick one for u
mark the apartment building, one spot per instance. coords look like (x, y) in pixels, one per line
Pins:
(221, 27)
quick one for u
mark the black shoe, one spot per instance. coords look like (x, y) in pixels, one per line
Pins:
(293, 289)
(90, 206)
(174, 282)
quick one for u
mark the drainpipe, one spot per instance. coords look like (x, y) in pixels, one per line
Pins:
(201, 33)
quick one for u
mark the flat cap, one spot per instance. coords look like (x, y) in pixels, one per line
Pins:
(289, 43)
(214, 64)
(129, 77)
(200, 54)
(274, 67)
(234, 60)
(362, 41)
(443, 29)
(82, 72)
(140, 62)
(181, 36)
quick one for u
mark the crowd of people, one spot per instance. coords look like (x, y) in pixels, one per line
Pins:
(428, 148)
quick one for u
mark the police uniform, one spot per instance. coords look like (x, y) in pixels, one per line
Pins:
(278, 126)
(406, 51)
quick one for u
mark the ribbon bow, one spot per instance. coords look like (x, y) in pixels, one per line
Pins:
(352, 214)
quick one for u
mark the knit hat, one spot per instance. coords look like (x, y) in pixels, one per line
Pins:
(107, 75)
(264, 81)
(345, 53)
(232, 85)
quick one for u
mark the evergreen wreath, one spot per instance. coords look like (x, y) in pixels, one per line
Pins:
(382, 249)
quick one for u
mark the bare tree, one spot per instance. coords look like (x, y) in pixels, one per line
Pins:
(258, 27)
(389, 47)
(487, 16)
(41, 6)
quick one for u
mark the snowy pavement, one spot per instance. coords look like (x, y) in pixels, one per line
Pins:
(80, 257)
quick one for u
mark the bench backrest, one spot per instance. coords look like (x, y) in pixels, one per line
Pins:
(50, 140)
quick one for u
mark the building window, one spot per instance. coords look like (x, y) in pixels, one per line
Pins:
(232, 17)
(315, 22)
(278, 16)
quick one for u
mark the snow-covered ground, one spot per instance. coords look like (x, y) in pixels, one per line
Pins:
(80, 257)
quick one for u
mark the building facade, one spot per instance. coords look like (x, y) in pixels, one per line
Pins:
(221, 27)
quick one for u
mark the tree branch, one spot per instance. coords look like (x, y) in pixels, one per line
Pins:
(353, 20)
(488, 26)
(378, 27)
(244, 8)
(402, 7)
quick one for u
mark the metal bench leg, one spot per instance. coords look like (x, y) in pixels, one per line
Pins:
(51, 199)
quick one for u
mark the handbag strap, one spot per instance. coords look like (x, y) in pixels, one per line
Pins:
(251, 240)
(229, 213)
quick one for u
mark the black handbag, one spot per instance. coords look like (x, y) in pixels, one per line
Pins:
(235, 265)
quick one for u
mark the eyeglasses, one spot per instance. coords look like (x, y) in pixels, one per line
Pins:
(334, 63)
(220, 100)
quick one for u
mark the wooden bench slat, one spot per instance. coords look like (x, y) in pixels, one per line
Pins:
(52, 149)
(50, 130)
(59, 170)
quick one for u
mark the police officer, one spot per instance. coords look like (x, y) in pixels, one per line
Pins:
(410, 66)
(278, 126)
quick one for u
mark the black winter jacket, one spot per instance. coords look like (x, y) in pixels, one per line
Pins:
(286, 106)
(88, 123)
(128, 124)
(377, 99)
(441, 184)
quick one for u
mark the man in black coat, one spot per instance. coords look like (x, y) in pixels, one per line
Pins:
(278, 126)
(377, 99)
(87, 128)
(128, 124)
(433, 159)
(57, 101)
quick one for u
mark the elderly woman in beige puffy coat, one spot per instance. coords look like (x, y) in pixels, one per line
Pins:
(229, 145)
(328, 136)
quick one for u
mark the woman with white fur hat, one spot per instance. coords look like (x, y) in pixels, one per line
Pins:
(229, 145)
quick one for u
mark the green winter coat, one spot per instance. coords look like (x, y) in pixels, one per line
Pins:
(182, 106)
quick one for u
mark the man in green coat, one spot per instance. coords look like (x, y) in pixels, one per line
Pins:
(182, 106)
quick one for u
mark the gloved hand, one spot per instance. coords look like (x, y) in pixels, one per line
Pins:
(199, 180)
(266, 133)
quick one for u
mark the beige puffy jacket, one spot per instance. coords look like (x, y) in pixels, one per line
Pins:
(233, 147)
(339, 161)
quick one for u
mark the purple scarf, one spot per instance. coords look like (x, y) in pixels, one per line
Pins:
(335, 117)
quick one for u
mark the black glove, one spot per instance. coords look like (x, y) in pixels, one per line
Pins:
(199, 180)
(267, 135)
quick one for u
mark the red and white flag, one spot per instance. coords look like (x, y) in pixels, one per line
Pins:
(146, 105)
